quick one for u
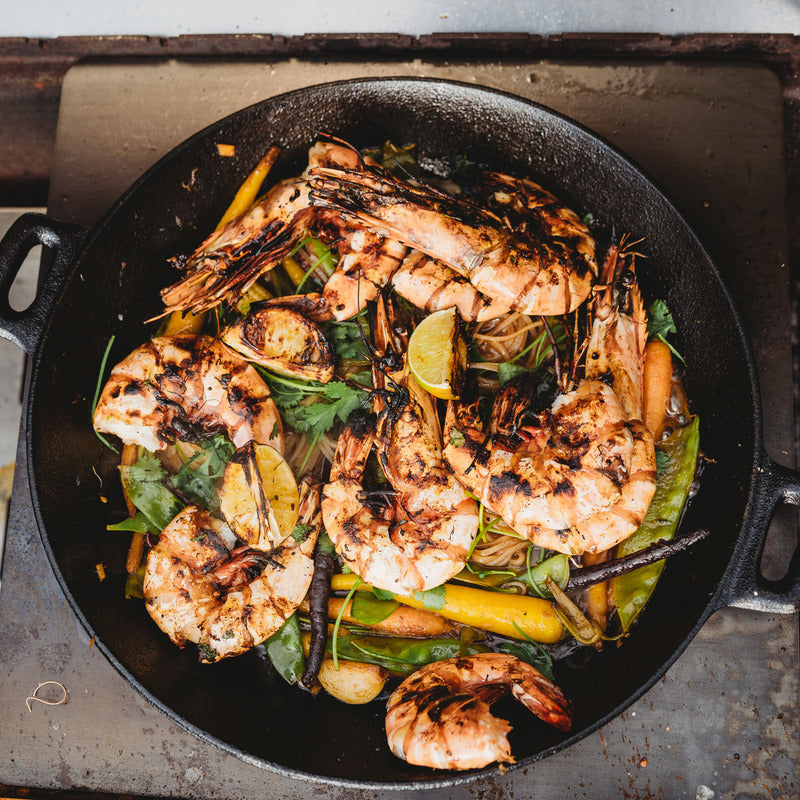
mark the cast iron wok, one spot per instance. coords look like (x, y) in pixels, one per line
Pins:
(105, 282)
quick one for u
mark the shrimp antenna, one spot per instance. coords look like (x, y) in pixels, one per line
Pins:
(330, 137)
(556, 354)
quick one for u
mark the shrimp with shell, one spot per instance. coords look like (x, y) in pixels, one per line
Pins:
(547, 268)
(414, 531)
(186, 387)
(232, 259)
(200, 587)
(578, 475)
(440, 715)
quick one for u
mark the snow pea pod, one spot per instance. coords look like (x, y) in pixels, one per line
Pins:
(632, 590)
(399, 654)
(285, 650)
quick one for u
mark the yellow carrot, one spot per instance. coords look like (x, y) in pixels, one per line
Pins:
(657, 385)
(179, 322)
(514, 615)
(597, 594)
(248, 191)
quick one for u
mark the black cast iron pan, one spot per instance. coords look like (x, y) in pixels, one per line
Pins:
(105, 282)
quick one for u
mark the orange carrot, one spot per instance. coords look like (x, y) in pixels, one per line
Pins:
(657, 385)
(596, 595)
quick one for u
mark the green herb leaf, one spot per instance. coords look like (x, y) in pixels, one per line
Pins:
(346, 340)
(325, 545)
(432, 599)
(200, 476)
(382, 594)
(336, 402)
(659, 319)
(143, 483)
(457, 438)
(139, 524)
(300, 532)
(662, 460)
(507, 370)
(401, 655)
(532, 653)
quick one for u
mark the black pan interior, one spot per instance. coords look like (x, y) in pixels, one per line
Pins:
(240, 703)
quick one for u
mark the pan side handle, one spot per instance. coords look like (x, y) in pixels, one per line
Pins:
(746, 587)
(62, 241)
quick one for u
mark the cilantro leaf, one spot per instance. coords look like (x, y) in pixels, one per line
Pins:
(336, 402)
(508, 370)
(432, 599)
(324, 544)
(660, 324)
(382, 594)
(300, 532)
(659, 319)
(662, 459)
(457, 438)
(199, 477)
(346, 340)
(143, 483)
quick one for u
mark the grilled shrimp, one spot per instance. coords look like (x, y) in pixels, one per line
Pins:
(431, 285)
(415, 533)
(578, 476)
(282, 340)
(230, 261)
(545, 268)
(186, 387)
(439, 716)
(197, 589)
(233, 258)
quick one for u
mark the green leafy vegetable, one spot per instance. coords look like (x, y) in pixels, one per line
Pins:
(660, 325)
(533, 653)
(311, 407)
(336, 402)
(285, 650)
(300, 532)
(382, 594)
(347, 340)
(659, 320)
(457, 438)
(139, 524)
(200, 476)
(662, 459)
(143, 483)
(508, 370)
